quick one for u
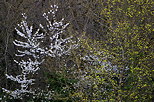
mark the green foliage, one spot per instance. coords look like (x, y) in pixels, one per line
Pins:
(129, 47)
(130, 42)
(61, 86)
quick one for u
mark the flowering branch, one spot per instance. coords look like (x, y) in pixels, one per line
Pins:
(34, 53)
(31, 47)
(58, 45)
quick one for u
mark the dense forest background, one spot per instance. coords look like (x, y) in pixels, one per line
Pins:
(114, 59)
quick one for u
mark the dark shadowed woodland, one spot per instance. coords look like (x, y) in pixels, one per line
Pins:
(77, 50)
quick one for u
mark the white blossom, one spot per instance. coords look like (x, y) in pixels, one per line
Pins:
(30, 47)
(32, 39)
(17, 93)
(58, 45)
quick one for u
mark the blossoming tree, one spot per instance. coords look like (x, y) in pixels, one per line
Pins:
(32, 53)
